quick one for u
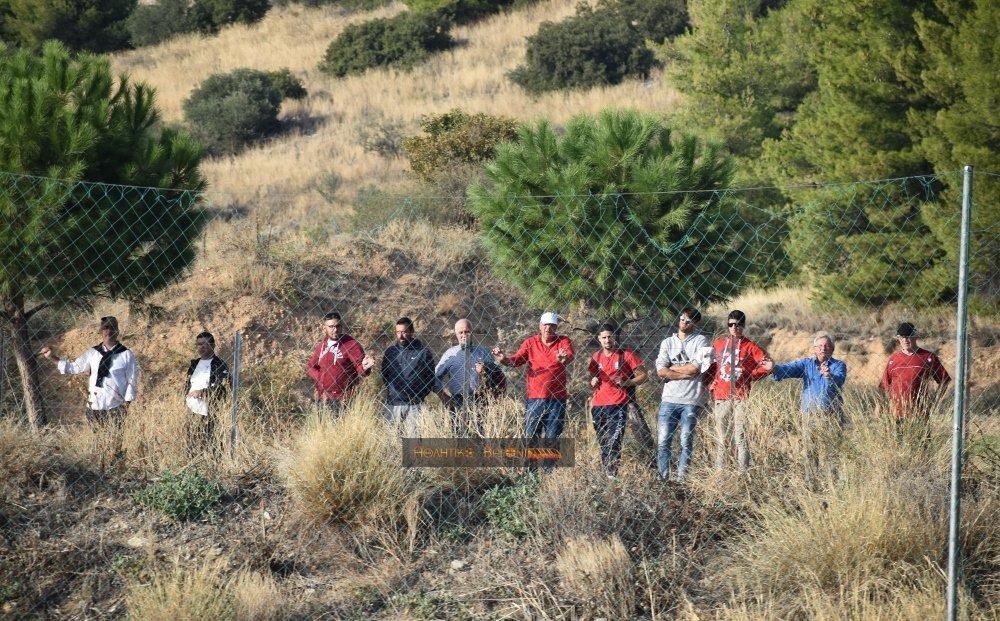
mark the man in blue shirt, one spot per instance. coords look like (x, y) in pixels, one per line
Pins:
(823, 378)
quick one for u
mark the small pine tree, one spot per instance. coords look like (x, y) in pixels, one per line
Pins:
(615, 213)
(82, 25)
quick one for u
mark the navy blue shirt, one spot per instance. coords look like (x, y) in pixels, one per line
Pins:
(819, 394)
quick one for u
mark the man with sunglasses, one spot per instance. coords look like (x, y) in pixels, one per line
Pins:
(337, 364)
(113, 379)
(683, 359)
(738, 362)
(906, 373)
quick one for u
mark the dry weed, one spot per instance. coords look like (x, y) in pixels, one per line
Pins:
(256, 597)
(598, 573)
(182, 594)
(433, 247)
(25, 458)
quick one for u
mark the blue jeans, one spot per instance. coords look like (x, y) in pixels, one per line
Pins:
(672, 414)
(544, 418)
(609, 423)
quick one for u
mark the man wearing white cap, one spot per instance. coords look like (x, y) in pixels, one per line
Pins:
(547, 355)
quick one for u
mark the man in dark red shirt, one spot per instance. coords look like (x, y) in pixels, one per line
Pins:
(337, 365)
(906, 372)
(547, 355)
(613, 372)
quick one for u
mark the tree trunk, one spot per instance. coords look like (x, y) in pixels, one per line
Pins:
(27, 365)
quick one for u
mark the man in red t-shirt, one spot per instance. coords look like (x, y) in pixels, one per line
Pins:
(613, 371)
(547, 355)
(905, 374)
(337, 365)
(738, 361)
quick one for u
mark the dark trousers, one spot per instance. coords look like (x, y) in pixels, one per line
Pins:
(609, 423)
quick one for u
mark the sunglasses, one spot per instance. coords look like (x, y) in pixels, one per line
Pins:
(735, 325)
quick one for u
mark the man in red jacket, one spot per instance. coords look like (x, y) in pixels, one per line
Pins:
(337, 365)
(738, 361)
(905, 374)
(547, 355)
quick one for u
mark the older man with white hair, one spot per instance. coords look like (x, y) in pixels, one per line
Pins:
(465, 374)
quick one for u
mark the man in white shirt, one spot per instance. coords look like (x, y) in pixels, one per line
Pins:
(113, 379)
(208, 382)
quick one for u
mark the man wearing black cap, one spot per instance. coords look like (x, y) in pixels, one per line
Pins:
(906, 371)
(113, 378)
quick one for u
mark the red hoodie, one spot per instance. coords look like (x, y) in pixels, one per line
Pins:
(336, 367)
(748, 369)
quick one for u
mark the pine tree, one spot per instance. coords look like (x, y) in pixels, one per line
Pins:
(82, 25)
(615, 213)
(64, 120)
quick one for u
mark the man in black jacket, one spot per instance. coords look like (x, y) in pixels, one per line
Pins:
(408, 375)
(208, 382)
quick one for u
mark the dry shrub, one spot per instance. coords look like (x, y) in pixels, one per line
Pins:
(25, 459)
(348, 470)
(256, 597)
(182, 594)
(598, 573)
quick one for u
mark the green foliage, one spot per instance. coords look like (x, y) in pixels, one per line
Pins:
(150, 24)
(456, 138)
(231, 110)
(209, 16)
(508, 507)
(598, 46)
(348, 5)
(181, 497)
(466, 11)
(82, 25)
(615, 213)
(286, 83)
(401, 41)
(741, 69)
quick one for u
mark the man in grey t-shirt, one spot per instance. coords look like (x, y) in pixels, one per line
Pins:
(681, 364)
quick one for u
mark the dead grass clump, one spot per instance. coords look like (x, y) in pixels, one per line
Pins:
(256, 596)
(348, 470)
(25, 459)
(182, 594)
(432, 247)
(598, 573)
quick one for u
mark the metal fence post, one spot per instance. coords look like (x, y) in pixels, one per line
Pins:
(957, 419)
(237, 347)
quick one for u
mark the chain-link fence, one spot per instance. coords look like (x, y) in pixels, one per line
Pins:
(307, 510)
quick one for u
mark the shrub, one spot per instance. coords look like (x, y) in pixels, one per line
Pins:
(209, 16)
(228, 111)
(456, 138)
(376, 134)
(597, 47)
(401, 41)
(506, 506)
(82, 25)
(286, 83)
(348, 5)
(182, 497)
(150, 24)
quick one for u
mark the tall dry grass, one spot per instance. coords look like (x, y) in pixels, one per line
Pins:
(598, 573)
(182, 594)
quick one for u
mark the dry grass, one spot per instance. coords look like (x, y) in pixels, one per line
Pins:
(182, 594)
(598, 573)
(26, 460)
(348, 470)
(256, 597)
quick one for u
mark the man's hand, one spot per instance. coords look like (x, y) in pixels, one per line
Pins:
(562, 356)
(767, 364)
(195, 393)
(595, 381)
(480, 367)
(498, 355)
(824, 369)
(367, 362)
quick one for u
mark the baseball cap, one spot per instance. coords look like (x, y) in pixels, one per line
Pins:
(549, 318)
(906, 329)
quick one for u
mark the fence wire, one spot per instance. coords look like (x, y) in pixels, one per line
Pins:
(852, 260)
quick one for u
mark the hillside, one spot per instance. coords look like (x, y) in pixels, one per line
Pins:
(313, 519)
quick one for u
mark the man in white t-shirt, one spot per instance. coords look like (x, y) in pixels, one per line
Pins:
(208, 383)
(682, 362)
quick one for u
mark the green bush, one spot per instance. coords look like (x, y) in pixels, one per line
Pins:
(348, 5)
(465, 11)
(507, 506)
(231, 110)
(401, 41)
(150, 24)
(82, 25)
(456, 138)
(598, 46)
(209, 16)
(287, 84)
(182, 497)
